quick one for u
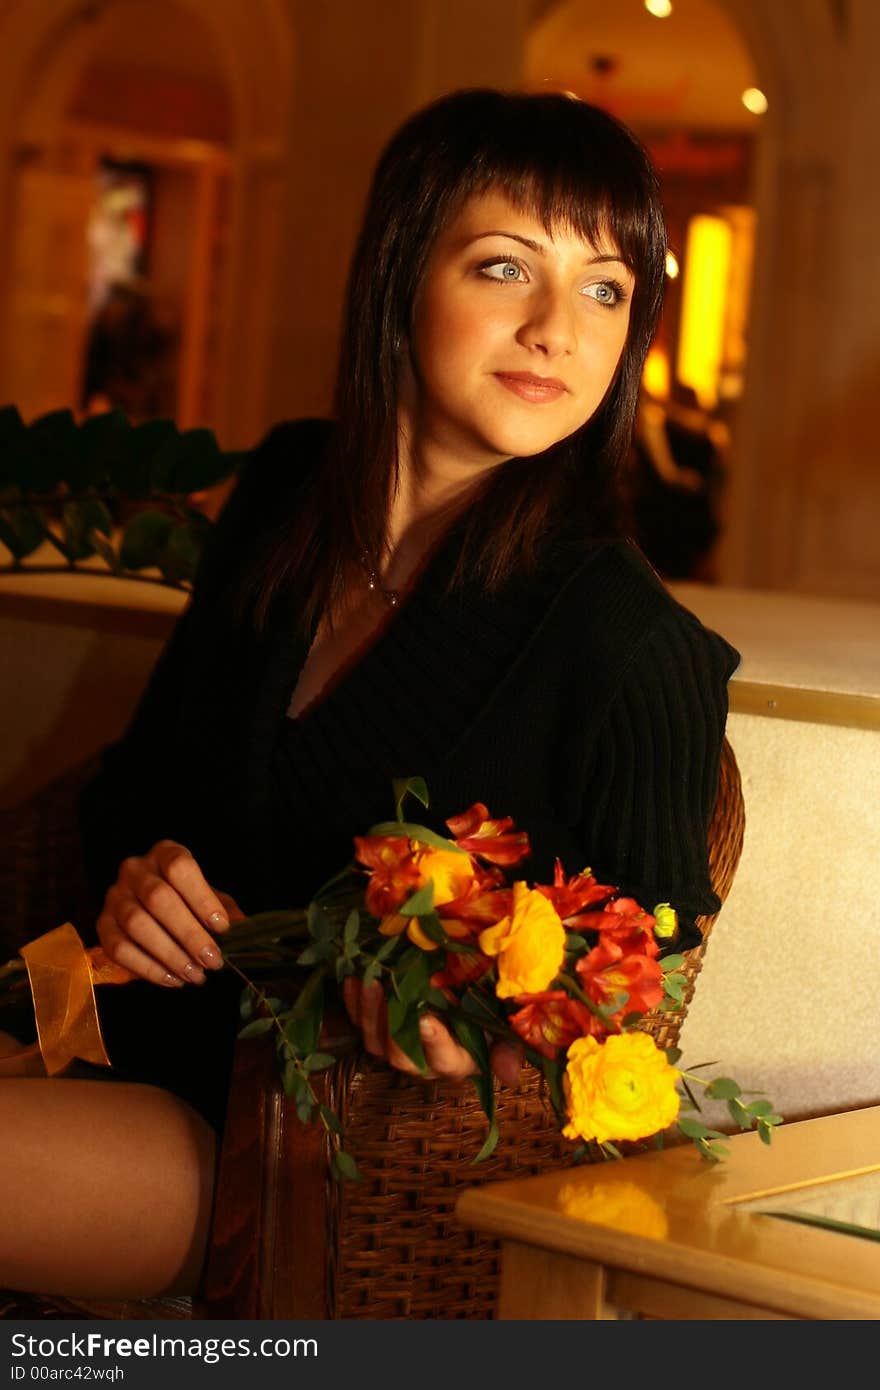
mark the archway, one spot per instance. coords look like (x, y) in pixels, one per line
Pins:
(248, 57)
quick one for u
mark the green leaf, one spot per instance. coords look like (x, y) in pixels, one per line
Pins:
(407, 830)
(473, 1039)
(132, 469)
(179, 557)
(331, 1119)
(372, 972)
(739, 1113)
(43, 451)
(673, 1055)
(344, 1166)
(144, 539)
(352, 926)
(723, 1088)
(760, 1107)
(80, 520)
(668, 963)
(305, 1109)
(96, 447)
(489, 1146)
(695, 1129)
(21, 531)
(188, 462)
(403, 1025)
(319, 1061)
(419, 903)
(673, 986)
(256, 1028)
(413, 786)
(412, 976)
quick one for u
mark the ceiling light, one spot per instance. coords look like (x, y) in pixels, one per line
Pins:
(754, 100)
(660, 9)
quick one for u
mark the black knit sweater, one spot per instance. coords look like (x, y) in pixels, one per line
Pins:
(583, 701)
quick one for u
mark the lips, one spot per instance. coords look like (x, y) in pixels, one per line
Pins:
(539, 390)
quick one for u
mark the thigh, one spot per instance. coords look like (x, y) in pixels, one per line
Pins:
(111, 1185)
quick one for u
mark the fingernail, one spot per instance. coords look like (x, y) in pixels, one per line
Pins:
(211, 957)
(172, 981)
(218, 921)
(194, 974)
(427, 1029)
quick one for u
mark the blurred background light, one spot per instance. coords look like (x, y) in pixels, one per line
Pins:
(703, 308)
(660, 9)
(672, 266)
(754, 100)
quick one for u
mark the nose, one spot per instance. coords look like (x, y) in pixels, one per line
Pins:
(549, 326)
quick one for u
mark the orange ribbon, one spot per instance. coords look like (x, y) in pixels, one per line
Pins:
(63, 975)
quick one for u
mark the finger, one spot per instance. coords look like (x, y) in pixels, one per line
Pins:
(351, 998)
(177, 865)
(231, 907)
(119, 948)
(158, 920)
(373, 1021)
(506, 1063)
(399, 1060)
(443, 1054)
(154, 880)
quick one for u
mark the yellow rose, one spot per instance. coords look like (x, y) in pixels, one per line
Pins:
(529, 944)
(622, 1088)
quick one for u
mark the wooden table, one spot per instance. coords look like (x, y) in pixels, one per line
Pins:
(666, 1235)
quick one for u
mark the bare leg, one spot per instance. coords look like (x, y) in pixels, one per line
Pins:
(107, 1188)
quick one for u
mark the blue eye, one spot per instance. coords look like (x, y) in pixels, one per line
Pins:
(511, 271)
(608, 293)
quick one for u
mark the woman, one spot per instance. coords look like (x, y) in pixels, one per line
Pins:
(429, 585)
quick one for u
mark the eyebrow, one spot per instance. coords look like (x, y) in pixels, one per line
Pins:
(536, 246)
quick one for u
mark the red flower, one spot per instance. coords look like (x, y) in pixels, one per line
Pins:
(477, 833)
(625, 923)
(549, 1022)
(572, 896)
(606, 972)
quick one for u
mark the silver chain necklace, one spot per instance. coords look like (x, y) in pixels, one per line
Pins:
(374, 583)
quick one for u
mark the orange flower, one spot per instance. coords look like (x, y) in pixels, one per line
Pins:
(628, 926)
(394, 874)
(475, 832)
(529, 944)
(550, 1021)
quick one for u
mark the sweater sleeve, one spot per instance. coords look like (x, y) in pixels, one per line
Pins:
(652, 787)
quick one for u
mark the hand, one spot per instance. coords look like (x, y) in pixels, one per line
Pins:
(158, 917)
(446, 1058)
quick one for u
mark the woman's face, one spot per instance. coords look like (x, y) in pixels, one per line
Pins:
(516, 335)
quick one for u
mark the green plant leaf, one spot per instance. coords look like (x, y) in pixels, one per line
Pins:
(420, 903)
(403, 1025)
(669, 963)
(179, 557)
(412, 786)
(412, 976)
(21, 531)
(344, 1166)
(723, 1088)
(319, 1061)
(490, 1143)
(256, 1028)
(188, 462)
(79, 520)
(411, 831)
(144, 539)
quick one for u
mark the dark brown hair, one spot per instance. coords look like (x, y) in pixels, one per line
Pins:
(569, 164)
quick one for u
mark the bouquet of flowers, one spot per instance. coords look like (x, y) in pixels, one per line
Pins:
(566, 970)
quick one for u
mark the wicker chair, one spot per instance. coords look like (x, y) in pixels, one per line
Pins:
(288, 1241)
